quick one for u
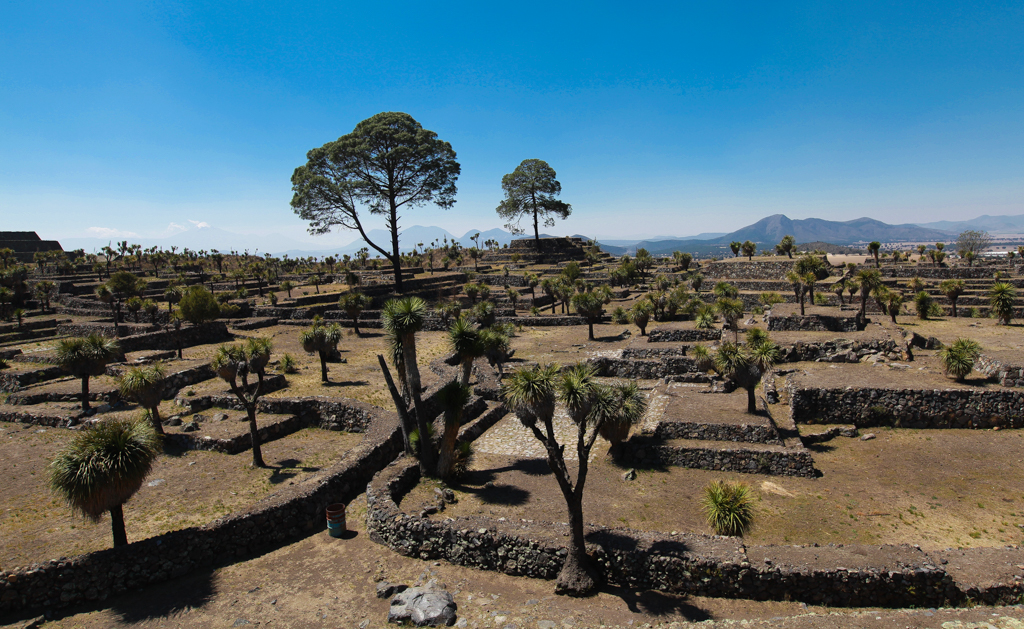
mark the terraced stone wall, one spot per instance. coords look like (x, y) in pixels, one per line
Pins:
(908, 408)
(697, 565)
(1003, 372)
(290, 514)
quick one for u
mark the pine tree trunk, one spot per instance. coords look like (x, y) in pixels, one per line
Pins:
(117, 526)
(254, 434)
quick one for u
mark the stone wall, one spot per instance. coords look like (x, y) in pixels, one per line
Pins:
(188, 336)
(775, 270)
(683, 335)
(1006, 374)
(812, 322)
(691, 564)
(746, 433)
(928, 272)
(908, 408)
(290, 514)
(644, 452)
(643, 369)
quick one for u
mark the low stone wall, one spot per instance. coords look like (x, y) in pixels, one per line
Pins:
(174, 382)
(696, 565)
(644, 452)
(1008, 375)
(928, 272)
(908, 408)
(290, 514)
(542, 320)
(746, 433)
(254, 323)
(813, 322)
(849, 350)
(42, 374)
(643, 369)
(684, 335)
(240, 442)
(643, 353)
(748, 270)
(188, 336)
(124, 330)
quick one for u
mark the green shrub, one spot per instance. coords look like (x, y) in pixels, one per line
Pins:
(958, 358)
(728, 507)
(198, 305)
(287, 364)
(922, 304)
(820, 299)
(230, 311)
(971, 312)
(619, 315)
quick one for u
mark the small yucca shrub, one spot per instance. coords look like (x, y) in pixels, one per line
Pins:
(287, 364)
(958, 358)
(728, 507)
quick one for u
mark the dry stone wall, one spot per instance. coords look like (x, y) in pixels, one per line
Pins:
(1003, 372)
(696, 565)
(290, 514)
(908, 408)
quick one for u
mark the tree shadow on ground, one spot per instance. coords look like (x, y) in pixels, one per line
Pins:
(159, 601)
(283, 470)
(820, 448)
(345, 383)
(481, 482)
(656, 603)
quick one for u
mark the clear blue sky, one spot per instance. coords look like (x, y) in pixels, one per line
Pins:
(671, 119)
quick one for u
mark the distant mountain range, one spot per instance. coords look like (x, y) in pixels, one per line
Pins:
(765, 232)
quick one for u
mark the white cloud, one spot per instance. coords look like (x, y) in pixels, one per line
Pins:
(175, 228)
(109, 232)
(199, 224)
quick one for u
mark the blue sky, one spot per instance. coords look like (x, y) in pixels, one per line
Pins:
(668, 119)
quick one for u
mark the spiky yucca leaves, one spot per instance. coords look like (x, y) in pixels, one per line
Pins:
(959, 357)
(576, 389)
(530, 394)
(728, 507)
(923, 304)
(745, 365)
(496, 347)
(452, 398)
(322, 340)
(102, 467)
(640, 315)
(144, 385)
(464, 341)
(353, 304)
(616, 409)
(1000, 298)
(702, 356)
(952, 289)
(84, 357)
(704, 317)
(591, 307)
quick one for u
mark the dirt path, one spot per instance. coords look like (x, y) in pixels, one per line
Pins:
(323, 582)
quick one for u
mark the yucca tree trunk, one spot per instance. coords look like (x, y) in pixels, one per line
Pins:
(154, 417)
(577, 575)
(254, 434)
(117, 526)
(446, 460)
(85, 393)
(467, 370)
(412, 376)
(323, 365)
(751, 400)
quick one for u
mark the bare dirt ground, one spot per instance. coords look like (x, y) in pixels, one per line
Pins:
(938, 489)
(325, 582)
(184, 489)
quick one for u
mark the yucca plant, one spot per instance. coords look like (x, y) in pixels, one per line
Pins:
(84, 357)
(102, 467)
(403, 318)
(923, 304)
(322, 340)
(616, 409)
(353, 304)
(640, 315)
(1000, 298)
(287, 364)
(144, 385)
(704, 319)
(238, 361)
(959, 357)
(464, 341)
(728, 507)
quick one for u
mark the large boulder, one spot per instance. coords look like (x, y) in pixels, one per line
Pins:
(424, 606)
